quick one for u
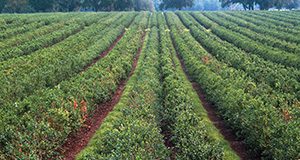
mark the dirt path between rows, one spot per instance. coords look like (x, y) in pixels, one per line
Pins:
(168, 139)
(78, 140)
(229, 135)
(237, 145)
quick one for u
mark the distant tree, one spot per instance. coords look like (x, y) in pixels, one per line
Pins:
(279, 3)
(2, 4)
(42, 5)
(93, 4)
(263, 4)
(16, 6)
(177, 4)
(247, 4)
(291, 4)
(68, 5)
(97, 5)
(118, 5)
(123, 5)
(207, 5)
(142, 5)
(109, 5)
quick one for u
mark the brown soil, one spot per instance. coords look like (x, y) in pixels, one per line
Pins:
(229, 135)
(167, 139)
(236, 144)
(78, 140)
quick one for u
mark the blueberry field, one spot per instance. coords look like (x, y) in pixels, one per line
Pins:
(150, 85)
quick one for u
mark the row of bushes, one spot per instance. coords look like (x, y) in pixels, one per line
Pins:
(251, 46)
(35, 33)
(270, 76)
(131, 130)
(40, 38)
(234, 25)
(279, 18)
(263, 27)
(11, 21)
(39, 124)
(22, 76)
(193, 134)
(268, 19)
(19, 25)
(276, 28)
(268, 130)
(289, 15)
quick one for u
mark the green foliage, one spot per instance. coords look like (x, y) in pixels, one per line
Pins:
(2, 4)
(257, 32)
(276, 28)
(246, 63)
(42, 37)
(263, 4)
(252, 46)
(124, 134)
(279, 79)
(24, 6)
(253, 112)
(15, 6)
(41, 6)
(55, 112)
(79, 50)
(131, 130)
(182, 113)
(68, 5)
(178, 4)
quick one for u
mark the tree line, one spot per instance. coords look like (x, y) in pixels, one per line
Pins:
(25, 6)
(263, 4)
(207, 5)
(247, 4)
